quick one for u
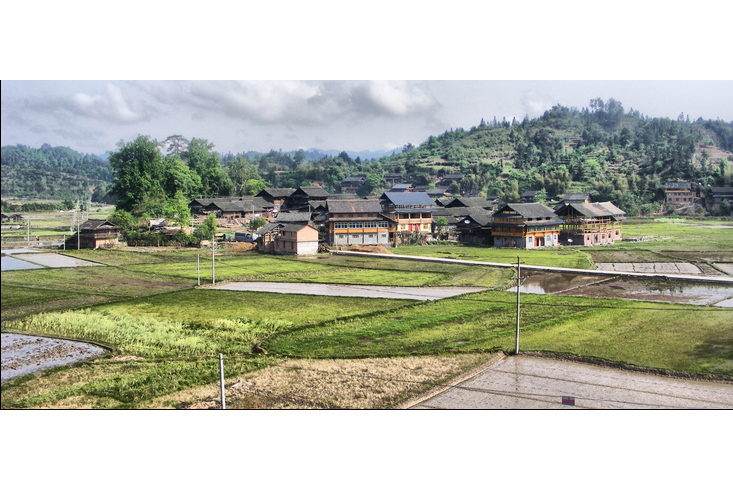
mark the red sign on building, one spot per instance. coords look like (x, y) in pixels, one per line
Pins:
(568, 400)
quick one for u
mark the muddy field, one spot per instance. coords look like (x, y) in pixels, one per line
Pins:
(520, 382)
(24, 354)
(667, 291)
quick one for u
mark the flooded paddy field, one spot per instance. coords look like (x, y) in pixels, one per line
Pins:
(693, 293)
(24, 354)
(13, 264)
(650, 267)
(666, 291)
(520, 382)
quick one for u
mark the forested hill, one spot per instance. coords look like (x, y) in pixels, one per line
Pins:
(604, 150)
(52, 173)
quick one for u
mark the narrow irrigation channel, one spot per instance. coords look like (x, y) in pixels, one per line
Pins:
(24, 354)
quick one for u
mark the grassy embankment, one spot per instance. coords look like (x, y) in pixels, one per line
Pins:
(150, 311)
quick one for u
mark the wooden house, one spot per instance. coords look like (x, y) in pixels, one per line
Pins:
(352, 184)
(275, 196)
(402, 188)
(525, 226)
(677, 194)
(96, 233)
(590, 224)
(358, 222)
(716, 195)
(411, 211)
(304, 198)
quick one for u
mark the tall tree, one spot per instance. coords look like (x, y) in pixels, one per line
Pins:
(137, 173)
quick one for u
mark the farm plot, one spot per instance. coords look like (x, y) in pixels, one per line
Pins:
(650, 267)
(57, 260)
(533, 383)
(391, 292)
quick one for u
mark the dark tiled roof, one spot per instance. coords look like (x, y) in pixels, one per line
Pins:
(575, 197)
(528, 210)
(295, 226)
(276, 192)
(408, 199)
(296, 217)
(312, 191)
(592, 210)
(476, 202)
(97, 224)
(354, 206)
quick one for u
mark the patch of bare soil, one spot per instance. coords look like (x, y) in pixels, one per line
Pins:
(374, 249)
(334, 384)
(242, 247)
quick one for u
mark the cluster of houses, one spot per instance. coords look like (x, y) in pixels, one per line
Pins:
(679, 195)
(298, 219)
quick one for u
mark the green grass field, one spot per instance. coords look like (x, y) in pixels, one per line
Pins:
(145, 304)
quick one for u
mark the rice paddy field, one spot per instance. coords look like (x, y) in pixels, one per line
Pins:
(164, 333)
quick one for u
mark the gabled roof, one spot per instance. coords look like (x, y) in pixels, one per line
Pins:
(577, 197)
(296, 217)
(354, 179)
(468, 202)
(296, 226)
(343, 197)
(269, 227)
(453, 176)
(354, 206)
(592, 210)
(276, 192)
(529, 193)
(408, 199)
(528, 210)
(311, 192)
(98, 224)
(401, 186)
(722, 190)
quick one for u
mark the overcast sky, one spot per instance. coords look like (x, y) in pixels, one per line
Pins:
(499, 61)
(237, 116)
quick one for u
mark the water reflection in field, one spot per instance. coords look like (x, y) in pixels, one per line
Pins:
(693, 293)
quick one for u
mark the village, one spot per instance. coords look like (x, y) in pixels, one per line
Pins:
(309, 219)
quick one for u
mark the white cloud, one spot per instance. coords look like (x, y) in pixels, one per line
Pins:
(535, 103)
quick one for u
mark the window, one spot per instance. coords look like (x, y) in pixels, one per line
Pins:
(370, 225)
(383, 224)
(340, 226)
(356, 225)
(354, 236)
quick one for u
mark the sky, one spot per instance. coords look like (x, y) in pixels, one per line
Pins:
(237, 116)
(287, 76)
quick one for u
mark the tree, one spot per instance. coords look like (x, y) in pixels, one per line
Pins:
(725, 208)
(258, 223)
(540, 196)
(207, 164)
(175, 144)
(123, 220)
(137, 173)
(177, 211)
(207, 229)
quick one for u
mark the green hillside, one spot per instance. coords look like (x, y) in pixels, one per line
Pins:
(52, 173)
(612, 154)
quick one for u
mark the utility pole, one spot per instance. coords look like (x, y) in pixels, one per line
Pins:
(198, 270)
(78, 238)
(519, 282)
(221, 381)
(28, 231)
(213, 266)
